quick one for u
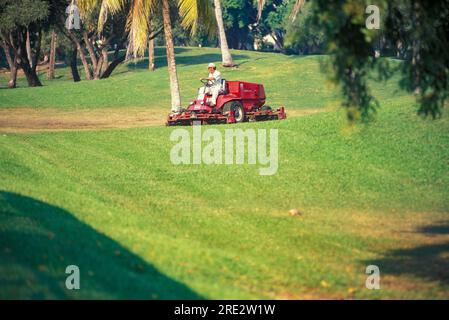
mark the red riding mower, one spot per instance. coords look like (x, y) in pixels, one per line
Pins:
(238, 101)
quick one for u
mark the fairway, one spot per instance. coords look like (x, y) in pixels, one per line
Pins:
(89, 182)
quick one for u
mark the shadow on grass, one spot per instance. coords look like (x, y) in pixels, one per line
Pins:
(161, 59)
(38, 241)
(429, 262)
(439, 228)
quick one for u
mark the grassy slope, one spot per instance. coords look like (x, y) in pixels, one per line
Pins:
(112, 203)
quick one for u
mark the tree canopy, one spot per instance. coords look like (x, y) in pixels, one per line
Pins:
(418, 30)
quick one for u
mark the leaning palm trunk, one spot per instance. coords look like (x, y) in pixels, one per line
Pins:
(171, 63)
(225, 54)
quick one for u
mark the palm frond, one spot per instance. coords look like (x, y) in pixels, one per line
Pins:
(108, 6)
(103, 16)
(195, 12)
(188, 10)
(113, 6)
(138, 25)
(86, 6)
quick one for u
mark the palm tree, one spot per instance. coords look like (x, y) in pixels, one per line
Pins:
(171, 62)
(191, 11)
(225, 53)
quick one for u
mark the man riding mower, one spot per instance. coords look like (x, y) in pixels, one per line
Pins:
(221, 101)
(213, 85)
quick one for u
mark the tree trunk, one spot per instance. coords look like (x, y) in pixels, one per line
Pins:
(37, 53)
(279, 41)
(105, 65)
(112, 66)
(28, 48)
(102, 64)
(25, 64)
(12, 63)
(21, 59)
(97, 71)
(30, 74)
(225, 53)
(13, 75)
(51, 64)
(73, 65)
(90, 49)
(151, 62)
(79, 48)
(84, 62)
(174, 85)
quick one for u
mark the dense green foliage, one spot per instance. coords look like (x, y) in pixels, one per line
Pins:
(303, 35)
(418, 29)
(238, 17)
(15, 14)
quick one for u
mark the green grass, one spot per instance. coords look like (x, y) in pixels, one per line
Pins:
(112, 203)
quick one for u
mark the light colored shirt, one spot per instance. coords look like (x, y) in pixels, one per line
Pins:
(217, 76)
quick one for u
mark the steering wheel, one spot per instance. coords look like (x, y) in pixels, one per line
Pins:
(205, 81)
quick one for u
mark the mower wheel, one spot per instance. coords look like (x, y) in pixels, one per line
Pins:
(237, 107)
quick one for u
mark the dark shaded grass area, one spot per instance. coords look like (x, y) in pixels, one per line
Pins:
(42, 240)
(428, 261)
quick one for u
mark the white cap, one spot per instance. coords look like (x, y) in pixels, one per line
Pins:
(211, 65)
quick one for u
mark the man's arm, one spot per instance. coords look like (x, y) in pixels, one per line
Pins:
(217, 76)
(211, 78)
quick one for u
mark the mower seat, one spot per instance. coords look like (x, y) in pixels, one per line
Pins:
(223, 87)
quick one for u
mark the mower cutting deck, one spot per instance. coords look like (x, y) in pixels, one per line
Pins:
(238, 102)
